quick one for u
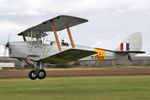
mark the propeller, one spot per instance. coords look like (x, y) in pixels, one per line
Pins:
(7, 46)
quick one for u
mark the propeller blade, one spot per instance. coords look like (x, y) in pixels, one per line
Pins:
(8, 38)
(5, 51)
(7, 45)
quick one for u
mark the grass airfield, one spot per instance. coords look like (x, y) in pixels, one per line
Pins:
(77, 88)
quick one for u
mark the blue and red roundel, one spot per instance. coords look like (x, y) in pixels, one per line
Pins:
(124, 47)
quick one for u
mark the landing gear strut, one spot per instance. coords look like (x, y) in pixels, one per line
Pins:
(37, 72)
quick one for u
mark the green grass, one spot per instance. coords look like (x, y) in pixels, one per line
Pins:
(77, 88)
(81, 68)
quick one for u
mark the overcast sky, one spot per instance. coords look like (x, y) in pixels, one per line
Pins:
(110, 21)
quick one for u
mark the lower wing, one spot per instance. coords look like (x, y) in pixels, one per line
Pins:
(68, 56)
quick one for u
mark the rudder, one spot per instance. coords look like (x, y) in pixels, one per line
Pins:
(132, 43)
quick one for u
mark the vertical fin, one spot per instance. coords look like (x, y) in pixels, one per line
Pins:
(133, 43)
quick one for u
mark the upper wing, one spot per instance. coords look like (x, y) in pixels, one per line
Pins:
(61, 22)
(68, 56)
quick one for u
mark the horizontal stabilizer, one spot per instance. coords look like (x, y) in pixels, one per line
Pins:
(122, 52)
(68, 56)
(129, 53)
(125, 52)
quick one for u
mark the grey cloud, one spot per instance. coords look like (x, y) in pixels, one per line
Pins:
(107, 18)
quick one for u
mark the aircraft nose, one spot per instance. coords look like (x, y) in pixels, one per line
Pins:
(7, 48)
(7, 45)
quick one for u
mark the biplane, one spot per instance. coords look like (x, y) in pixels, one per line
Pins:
(36, 51)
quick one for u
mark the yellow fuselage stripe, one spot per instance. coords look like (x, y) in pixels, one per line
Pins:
(100, 55)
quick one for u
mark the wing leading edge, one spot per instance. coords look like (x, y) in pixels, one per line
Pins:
(68, 56)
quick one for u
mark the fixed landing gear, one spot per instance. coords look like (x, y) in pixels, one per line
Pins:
(38, 71)
(40, 74)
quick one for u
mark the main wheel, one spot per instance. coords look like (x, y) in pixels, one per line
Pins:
(32, 74)
(41, 74)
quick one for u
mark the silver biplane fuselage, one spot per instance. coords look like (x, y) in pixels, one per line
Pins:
(33, 50)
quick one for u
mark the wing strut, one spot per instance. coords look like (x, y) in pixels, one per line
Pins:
(70, 37)
(24, 38)
(56, 37)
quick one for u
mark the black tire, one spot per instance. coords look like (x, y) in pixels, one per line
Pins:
(32, 75)
(41, 74)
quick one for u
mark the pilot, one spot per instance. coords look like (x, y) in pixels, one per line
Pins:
(51, 43)
(39, 40)
(64, 42)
